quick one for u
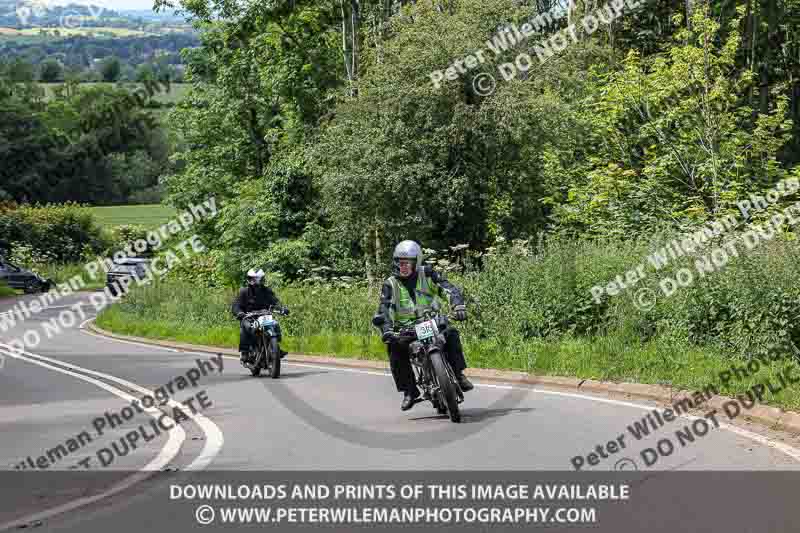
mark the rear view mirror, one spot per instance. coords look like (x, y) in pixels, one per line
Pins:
(378, 320)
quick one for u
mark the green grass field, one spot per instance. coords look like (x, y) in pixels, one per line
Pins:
(149, 216)
(176, 92)
(63, 32)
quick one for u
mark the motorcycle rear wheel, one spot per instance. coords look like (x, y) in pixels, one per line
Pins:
(447, 388)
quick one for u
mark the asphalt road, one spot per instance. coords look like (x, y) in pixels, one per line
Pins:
(313, 418)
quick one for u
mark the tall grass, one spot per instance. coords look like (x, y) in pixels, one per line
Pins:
(534, 312)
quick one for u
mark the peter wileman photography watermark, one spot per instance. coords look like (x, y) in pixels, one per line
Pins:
(163, 421)
(153, 241)
(698, 427)
(77, 312)
(27, 10)
(711, 260)
(513, 35)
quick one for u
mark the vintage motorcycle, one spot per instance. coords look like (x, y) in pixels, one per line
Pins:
(268, 336)
(434, 375)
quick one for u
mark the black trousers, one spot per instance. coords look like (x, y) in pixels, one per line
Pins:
(400, 363)
(247, 335)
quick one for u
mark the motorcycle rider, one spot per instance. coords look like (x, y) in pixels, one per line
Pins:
(413, 287)
(253, 297)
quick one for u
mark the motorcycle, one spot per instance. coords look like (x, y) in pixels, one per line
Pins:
(268, 336)
(434, 376)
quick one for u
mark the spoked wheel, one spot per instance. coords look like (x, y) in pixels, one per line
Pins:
(255, 370)
(274, 358)
(441, 409)
(447, 389)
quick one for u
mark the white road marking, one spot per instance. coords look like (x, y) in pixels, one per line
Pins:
(11, 312)
(791, 451)
(170, 450)
(214, 437)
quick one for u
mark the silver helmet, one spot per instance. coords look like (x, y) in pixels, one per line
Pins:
(406, 250)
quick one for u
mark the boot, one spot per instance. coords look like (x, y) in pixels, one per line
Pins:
(408, 399)
(464, 383)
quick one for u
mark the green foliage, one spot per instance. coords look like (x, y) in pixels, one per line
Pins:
(53, 233)
(51, 71)
(110, 69)
(6, 291)
(671, 141)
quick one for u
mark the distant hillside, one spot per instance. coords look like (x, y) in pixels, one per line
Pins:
(167, 17)
(33, 14)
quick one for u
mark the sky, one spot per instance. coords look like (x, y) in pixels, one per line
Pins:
(109, 4)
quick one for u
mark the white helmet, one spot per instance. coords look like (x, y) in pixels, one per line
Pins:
(255, 277)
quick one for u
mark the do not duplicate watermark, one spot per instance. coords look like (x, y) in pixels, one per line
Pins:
(513, 35)
(166, 414)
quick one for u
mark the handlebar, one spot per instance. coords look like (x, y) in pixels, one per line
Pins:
(411, 332)
(274, 310)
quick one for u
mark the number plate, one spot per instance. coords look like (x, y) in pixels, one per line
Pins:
(266, 320)
(426, 330)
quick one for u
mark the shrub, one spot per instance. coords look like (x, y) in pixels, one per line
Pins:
(64, 233)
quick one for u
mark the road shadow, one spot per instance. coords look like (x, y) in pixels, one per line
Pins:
(293, 375)
(265, 375)
(471, 416)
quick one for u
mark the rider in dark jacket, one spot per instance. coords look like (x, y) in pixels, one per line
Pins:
(253, 297)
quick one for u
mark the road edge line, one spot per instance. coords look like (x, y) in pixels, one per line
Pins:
(773, 417)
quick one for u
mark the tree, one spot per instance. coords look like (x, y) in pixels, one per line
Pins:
(110, 69)
(145, 72)
(51, 71)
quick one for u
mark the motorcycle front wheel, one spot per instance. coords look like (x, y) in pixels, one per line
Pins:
(255, 370)
(274, 358)
(447, 389)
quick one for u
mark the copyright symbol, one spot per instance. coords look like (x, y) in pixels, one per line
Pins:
(204, 515)
(626, 464)
(644, 299)
(72, 21)
(484, 84)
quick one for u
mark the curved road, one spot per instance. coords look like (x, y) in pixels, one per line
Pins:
(313, 418)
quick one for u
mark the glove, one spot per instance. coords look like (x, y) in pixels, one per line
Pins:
(387, 337)
(461, 313)
(285, 310)
(240, 315)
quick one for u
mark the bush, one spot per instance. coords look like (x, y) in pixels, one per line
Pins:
(63, 233)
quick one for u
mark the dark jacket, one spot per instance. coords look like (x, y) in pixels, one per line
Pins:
(456, 298)
(253, 299)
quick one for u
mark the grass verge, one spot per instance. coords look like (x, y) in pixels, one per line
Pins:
(6, 291)
(336, 322)
(63, 273)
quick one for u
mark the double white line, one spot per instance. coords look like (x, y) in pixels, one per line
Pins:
(213, 436)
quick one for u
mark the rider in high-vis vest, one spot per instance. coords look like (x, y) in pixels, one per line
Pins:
(410, 289)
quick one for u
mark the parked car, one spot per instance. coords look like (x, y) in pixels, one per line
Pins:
(19, 278)
(126, 268)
